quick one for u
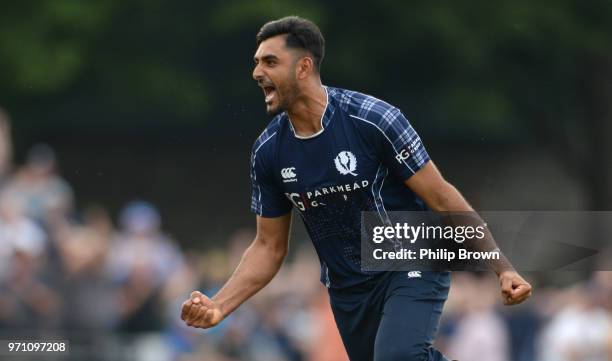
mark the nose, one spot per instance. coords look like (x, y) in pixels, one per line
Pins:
(257, 73)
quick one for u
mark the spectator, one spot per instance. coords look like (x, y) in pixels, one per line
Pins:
(582, 330)
(25, 300)
(47, 197)
(83, 252)
(17, 233)
(480, 333)
(142, 260)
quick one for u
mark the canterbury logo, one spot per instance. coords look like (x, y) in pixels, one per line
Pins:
(414, 274)
(346, 163)
(287, 173)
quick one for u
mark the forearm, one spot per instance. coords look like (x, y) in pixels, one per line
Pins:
(456, 211)
(258, 266)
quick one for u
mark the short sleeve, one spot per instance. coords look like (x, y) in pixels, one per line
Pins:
(267, 199)
(402, 149)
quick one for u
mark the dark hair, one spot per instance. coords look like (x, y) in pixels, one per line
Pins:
(301, 34)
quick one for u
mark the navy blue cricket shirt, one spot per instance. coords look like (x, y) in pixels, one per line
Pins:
(358, 162)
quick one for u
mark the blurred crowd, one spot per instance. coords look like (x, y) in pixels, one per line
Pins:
(114, 289)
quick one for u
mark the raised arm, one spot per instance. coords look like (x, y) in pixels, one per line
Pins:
(259, 264)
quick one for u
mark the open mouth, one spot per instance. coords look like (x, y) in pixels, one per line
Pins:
(269, 92)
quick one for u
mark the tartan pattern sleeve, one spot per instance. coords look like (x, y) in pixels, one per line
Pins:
(401, 148)
(267, 200)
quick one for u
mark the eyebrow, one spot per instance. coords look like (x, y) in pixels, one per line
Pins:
(266, 57)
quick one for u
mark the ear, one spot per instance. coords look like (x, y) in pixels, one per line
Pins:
(304, 67)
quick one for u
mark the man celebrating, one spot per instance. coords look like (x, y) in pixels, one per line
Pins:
(332, 154)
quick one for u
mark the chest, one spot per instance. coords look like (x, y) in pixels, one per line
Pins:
(337, 164)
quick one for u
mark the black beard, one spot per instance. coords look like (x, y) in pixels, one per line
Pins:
(282, 106)
(291, 93)
(274, 112)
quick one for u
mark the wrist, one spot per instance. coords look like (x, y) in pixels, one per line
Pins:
(504, 272)
(221, 306)
(501, 266)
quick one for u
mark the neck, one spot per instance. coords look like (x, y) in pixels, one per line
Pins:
(306, 112)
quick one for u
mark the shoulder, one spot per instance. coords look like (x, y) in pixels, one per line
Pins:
(364, 107)
(269, 134)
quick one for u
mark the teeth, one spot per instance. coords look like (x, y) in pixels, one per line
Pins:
(269, 95)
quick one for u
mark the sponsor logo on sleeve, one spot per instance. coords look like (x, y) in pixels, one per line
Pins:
(408, 151)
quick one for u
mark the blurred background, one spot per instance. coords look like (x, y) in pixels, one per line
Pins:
(125, 139)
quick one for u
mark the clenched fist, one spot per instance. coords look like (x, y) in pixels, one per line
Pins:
(200, 311)
(514, 288)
